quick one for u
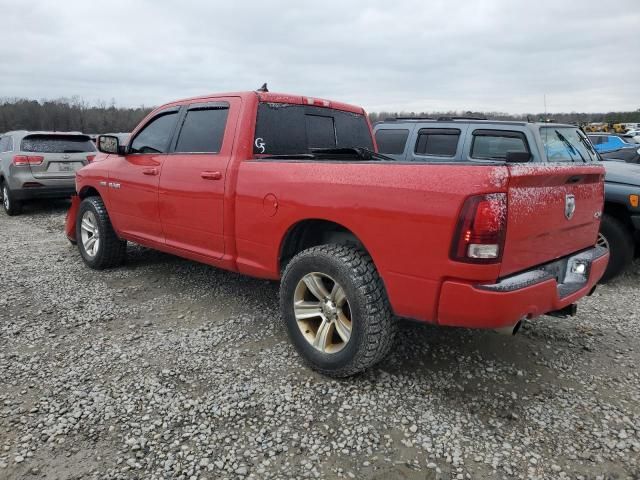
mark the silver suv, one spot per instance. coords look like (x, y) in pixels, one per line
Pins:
(40, 165)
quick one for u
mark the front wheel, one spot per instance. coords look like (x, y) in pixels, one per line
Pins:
(335, 309)
(617, 238)
(98, 243)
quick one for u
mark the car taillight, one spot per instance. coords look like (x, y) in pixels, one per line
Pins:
(24, 160)
(480, 233)
(90, 158)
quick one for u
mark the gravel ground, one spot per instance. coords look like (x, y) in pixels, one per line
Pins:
(165, 368)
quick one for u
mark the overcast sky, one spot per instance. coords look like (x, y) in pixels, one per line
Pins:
(491, 55)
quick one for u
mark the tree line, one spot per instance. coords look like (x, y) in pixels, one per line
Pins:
(74, 114)
(65, 115)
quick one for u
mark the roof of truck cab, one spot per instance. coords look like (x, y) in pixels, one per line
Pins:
(41, 132)
(274, 97)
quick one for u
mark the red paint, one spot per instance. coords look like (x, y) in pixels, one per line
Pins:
(70, 220)
(233, 211)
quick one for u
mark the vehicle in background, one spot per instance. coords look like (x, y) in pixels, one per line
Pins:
(440, 140)
(287, 187)
(620, 227)
(632, 136)
(40, 165)
(612, 146)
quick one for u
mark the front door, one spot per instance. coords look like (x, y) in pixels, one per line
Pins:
(133, 180)
(192, 183)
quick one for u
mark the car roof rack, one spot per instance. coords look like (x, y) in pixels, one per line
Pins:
(438, 119)
(408, 118)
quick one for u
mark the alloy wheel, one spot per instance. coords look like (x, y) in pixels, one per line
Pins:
(90, 234)
(322, 312)
(602, 241)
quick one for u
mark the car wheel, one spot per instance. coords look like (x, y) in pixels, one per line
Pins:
(9, 203)
(335, 309)
(98, 243)
(617, 238)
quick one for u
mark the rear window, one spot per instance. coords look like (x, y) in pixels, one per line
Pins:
(494, 144)
(440, 142)
(57, 144)
(285, 129)
(391, 140)
(203, 130)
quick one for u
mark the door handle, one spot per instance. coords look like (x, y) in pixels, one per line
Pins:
(211, 175)
(150, 171)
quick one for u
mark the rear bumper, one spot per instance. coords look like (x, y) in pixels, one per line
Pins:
(525, 295)
(44, 192)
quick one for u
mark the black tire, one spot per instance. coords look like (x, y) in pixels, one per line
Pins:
(621, 247)
(373, 327)
(9, 203)
(111, 250)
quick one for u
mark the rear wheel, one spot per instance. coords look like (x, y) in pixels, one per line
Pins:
(98, 243)
(335, 309)
(9, 203)
(617, 238)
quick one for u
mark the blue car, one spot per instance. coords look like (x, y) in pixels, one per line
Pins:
(613, 147)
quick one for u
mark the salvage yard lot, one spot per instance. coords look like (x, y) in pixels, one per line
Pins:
(168, 368)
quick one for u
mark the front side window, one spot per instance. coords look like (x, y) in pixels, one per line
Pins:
(392, 140)
(494, 144)
(287, 129)
(202, 130)
(566, 144)
(39, 143)
(440, 142)
(156, 135)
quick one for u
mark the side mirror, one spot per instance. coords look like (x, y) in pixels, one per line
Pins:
(518, 157)
(109, 144)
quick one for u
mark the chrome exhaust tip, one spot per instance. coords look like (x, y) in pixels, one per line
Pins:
(510, 331)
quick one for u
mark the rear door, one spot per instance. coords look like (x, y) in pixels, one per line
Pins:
(61, 154)
(192, 183)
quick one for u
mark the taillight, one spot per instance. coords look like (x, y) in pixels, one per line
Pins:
(90, 158)
(24, 160)
(481, 229)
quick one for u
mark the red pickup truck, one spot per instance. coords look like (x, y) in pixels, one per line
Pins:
(289, 187)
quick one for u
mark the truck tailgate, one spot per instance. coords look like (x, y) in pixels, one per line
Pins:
(553, 210)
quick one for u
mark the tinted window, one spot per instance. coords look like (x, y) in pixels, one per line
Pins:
(321, 132)
(155, 136)
(494, 144)
(57, 144)
(442, 142)
(4, 143)
(285, 129)
(391, 141)
(203, 130)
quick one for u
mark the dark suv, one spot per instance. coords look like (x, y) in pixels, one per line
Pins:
(460, 139)
(40, 165)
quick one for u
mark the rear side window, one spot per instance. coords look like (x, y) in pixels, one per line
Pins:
(4, 144)
(156, 135)
(440, 142)
(57, 144)
(285, 129)
(203, 130)
(494, 144)
(392, 140)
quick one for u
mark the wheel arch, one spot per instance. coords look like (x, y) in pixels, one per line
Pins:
(620, 212)
(88, 191)
(312, 232)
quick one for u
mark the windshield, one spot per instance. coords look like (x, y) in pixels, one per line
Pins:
(567, 144)
(285, 129)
